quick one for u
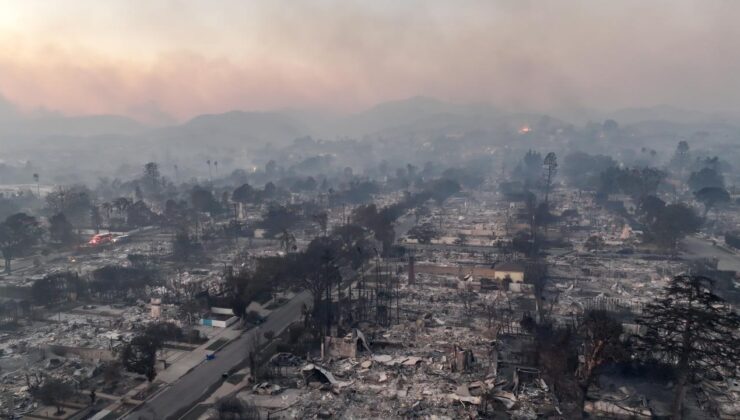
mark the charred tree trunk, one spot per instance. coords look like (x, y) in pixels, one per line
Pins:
(328, 308)
(582, 395)
(683, 371)
(679, 396)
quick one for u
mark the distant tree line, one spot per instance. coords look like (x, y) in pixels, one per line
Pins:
(108, 283)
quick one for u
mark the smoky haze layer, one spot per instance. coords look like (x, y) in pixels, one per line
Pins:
(173, 60)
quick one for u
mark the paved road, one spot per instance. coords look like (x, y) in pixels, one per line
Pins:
(702, 248)
(191, 388)
(21, 265)
(18, 265)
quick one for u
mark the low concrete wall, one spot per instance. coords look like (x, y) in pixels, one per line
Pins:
(477, 271)
(219, 323)
(81, 352)
(455, 270)
(222, 311)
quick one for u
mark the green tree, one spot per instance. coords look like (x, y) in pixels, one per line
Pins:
(379, 222)
(672, 224)
(55, 392)
(118, 281)
(18, 233)
(682, 148)
(279, 219)
(75, 202)
(582, 170)
(610, 126)
(57, 287)
(140, 356)
(681, 157)
(139, 214)
(60, 230)
(711, 197)
(319, 275)
(8, 206)
(706, 177)
(640, 182)
(543, 216)
(202, 200)
(530, 167)
(442, 189)
(151, 181)
(38, 187)
(121, 205)
(269, 273)
(245, 194)
(692, 329)
(164, 331)
(650, 207)
(424, 233)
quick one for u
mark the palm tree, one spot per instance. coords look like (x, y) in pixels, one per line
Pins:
(38, 187)
(210, 177)
(551, 168)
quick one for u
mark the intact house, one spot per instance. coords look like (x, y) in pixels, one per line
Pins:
(219, 317)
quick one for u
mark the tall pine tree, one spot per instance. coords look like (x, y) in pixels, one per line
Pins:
(693, 330)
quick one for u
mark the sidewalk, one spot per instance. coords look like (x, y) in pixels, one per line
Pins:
(174, 372)
(193, 358)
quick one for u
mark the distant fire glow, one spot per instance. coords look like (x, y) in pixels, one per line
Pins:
(525, 129)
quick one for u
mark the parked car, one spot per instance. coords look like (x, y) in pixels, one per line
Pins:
(121, 239)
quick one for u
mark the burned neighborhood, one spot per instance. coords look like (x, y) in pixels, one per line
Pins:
(194, 227)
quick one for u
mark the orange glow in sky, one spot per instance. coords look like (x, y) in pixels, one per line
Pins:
(173, 59)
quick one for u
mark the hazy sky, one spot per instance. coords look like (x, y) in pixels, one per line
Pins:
(150, 59)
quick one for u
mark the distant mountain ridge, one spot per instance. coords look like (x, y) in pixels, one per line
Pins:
(416, 115)
(234, 127)
(665, 113)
